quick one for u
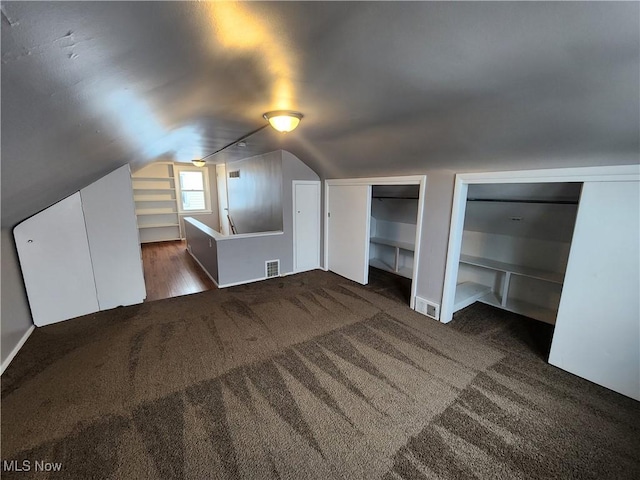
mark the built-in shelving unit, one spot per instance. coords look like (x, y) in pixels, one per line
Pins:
(401, 250)
(515, 247)
(394, 211)
(470, 292)
(156, 205)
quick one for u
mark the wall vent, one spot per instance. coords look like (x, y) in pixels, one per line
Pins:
(427, 308)
(234, 174)
(272, 268)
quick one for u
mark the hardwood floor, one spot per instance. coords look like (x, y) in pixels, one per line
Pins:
(169, 271)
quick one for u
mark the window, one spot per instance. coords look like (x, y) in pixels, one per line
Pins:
(193, 189)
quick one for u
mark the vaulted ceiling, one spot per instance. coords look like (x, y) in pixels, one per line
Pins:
(384, 86)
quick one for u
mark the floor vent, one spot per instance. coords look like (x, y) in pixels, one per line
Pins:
(427, 308)
(272, 268)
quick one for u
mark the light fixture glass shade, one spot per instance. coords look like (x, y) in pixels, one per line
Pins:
(199, 163)
(283, 120)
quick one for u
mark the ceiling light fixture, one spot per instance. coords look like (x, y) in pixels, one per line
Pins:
(282, 120)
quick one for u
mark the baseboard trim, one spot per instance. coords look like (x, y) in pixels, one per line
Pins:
(16, 349)
(203, 269)
(232, 284)
(243, 282)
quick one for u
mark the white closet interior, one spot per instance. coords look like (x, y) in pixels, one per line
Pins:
(515, 246)
(394, 213)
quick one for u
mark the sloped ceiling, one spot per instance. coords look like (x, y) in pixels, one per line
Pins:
(385, 87)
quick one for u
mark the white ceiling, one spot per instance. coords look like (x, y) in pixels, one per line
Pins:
(385, 87)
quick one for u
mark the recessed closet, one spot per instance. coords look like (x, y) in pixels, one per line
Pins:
(515, 246)
(394, 213)
(374, 224)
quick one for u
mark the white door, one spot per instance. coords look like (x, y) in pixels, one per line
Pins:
(56, 264)
(348, 231)
(113, 239)
(306, 224)
(597, 333)
(223, 201)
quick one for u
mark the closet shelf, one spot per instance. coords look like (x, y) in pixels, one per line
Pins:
(515, 200)
(468, 293)
(156, 225)
(521, 270)
(156, 211)
(393, 243)
(160, 189)
(523, 308)
(154, 198)
(151, 178)
(402, 271)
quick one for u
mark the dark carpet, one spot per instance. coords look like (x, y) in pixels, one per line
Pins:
(307, 376)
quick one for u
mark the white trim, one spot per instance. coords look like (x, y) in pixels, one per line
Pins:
(420, 180)
(177, 168)
(395, 180)
(202, 267)
(618, 173)
(233, 284)
(293, 212)
(326, 226)
(16, 349)
(218, 237)
(247, 235)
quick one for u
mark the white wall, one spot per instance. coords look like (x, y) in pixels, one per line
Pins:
(15, 314)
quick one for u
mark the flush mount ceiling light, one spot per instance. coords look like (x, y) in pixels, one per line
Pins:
(283, 120)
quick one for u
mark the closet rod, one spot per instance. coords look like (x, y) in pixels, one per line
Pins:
(555, 202)
(398, 198)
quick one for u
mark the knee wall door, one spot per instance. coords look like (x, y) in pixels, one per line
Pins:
(306, 224)
(597, 334)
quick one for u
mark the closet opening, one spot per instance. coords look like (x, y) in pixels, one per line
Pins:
(372, 229)
(394, 217)
(515, 247)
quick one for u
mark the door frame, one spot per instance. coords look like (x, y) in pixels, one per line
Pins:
(619, 173)
(319, 216)
(420, 180)
(221, 168)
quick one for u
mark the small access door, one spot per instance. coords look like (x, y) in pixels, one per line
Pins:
(348, 231)
(56, 263)
(597, 334)
(306, 225)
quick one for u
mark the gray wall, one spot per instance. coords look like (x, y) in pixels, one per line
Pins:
(16, 316)
(242, 259)
(435, 234)
(255, 198)
(204, 248)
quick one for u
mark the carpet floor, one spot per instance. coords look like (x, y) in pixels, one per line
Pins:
(309, 376)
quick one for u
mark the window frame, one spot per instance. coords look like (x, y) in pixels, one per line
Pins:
(206, 189)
